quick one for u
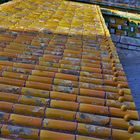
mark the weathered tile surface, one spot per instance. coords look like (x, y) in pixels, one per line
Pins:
(60, 75)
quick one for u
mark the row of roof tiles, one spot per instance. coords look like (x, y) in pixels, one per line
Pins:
(62, 83)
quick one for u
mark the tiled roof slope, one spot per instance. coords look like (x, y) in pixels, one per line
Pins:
(131, 16)
(126, 5)
(61, 78)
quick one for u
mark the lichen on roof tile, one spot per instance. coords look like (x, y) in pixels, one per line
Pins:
(60, 75)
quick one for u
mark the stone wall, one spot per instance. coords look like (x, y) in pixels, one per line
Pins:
(125, 34)
(126, 42)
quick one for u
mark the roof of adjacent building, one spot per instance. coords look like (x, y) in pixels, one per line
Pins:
(126, 5)
(60, 75)
(132, 17)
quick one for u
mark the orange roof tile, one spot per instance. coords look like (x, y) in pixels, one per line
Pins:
(60, 75)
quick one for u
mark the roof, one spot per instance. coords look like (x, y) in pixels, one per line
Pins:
(125, 5)
(133, 17)
(61, 77)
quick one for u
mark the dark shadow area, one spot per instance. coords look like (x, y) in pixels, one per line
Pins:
(3, 1)
(131, 64)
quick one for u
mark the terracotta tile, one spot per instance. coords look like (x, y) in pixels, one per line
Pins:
(110, 88)
(10, 81)
(136, 136)
(91, 61)
(62, 76)
(110, 82)
(14, 75)
(90, 57)
(26, 66)
(60, 114)
(9, 88)
(92, 119)
(52, 54)
(91, 100)
(119, 123)
(24, 120)
(35, 92)
(93, 93)
(10, 47)
(66, 76)
(118, 104)
(88, 52)
(62, 82)
(49, 64)
(40, 79)
(119, 113)
(9, 97)
(53, 48)
(38, 85)
(68, 71)
(66, 105)
(115, 96)
(29, 110)
(78, 137)
(90, 65)
(71, 51)
(6, 54)
(70, 67)
(6, 106)
(6, 63)
(45, 134)
(124, 84)
(4, 117)
(91, 80)
(44, 68)
(92, 86)
(2, 68)
(120, 134)
(62, 96)
(30, 100)
(136, 124)
(87, 108)
(92, 130)
(52, 57)
(65, 89)
(90, 69)
(72, 55)
(19, 70)
(59, 125)
(90, 74)
(107, 71)
(19, 132)
(70, 62)
(127, 91)
(43, 73)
